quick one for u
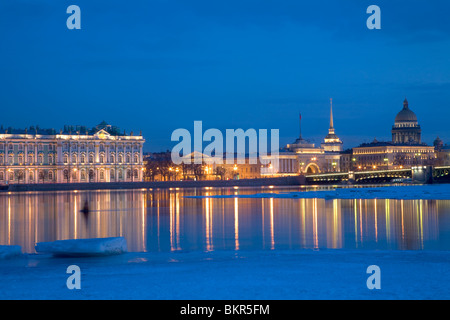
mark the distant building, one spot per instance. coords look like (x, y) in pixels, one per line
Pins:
(404, 151)
(442, 153)
(303, 157)
(331, 143)
(387, 155)
(75, 154)
(406, 129)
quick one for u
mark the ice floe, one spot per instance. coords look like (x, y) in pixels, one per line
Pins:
(426, 192)
(84, 247)
(7, 252)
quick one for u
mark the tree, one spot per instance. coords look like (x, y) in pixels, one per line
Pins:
(42, 175)
(221, 172)
(20, 175)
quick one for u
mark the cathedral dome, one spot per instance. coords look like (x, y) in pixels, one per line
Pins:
(406, 115)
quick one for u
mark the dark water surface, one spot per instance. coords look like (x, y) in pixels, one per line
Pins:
(164, 220)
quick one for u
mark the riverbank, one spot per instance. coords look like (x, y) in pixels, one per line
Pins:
(279, 181)
(254, 275)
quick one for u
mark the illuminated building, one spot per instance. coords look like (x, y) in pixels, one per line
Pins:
(404, 151)
(75, 154)
(406, 129)
(303, 157)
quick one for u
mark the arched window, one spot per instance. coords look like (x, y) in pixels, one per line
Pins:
(91, 158)
(41, 159)
(74, 158)
(20, 159)
(102, 158)
(31, 176)
(91, 174)
(2, 176)
(120, 158)
(66, 174)
(112, 175)
(66, 158)
(128, 159)
(83, 175)
(11, 175)
(83, 158)
(136, 158)
(136, 174)
(120, 175)
(128, 174)
(50, 175)
(112, 158)
(102, 175)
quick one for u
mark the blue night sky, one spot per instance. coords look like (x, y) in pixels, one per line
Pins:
(158, 65)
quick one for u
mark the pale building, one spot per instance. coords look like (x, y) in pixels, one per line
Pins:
(387, 155)
(303, 157)
(101, 154)
(404, 151)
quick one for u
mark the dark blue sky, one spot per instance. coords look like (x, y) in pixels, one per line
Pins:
(158, 65)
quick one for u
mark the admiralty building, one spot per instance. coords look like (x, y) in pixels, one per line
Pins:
(75, 154)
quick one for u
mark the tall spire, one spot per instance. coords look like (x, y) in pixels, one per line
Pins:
(300, 125)
(405, 104)
(331, 113)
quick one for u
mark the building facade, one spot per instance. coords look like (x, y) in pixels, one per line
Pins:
(303, 157)
(406, 149)
(100, 154)
(406, 129)
(387, 155)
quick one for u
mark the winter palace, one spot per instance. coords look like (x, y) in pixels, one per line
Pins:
(75, 154)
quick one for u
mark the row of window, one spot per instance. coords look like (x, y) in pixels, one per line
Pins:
(21, 146)
(49, 175)
(40, 159)
(91, 175)
(102, 147)
(112, 158)
(31, 159)
(363, 151)
(20, 175)
(52, 147)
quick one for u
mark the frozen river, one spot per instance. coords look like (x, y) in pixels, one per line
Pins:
(166, 220)
(228, 243)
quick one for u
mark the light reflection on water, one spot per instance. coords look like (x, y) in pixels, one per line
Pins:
(164, 220)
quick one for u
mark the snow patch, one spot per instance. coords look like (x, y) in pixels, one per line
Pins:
(425, 192)
(7, 252)
(84, 247)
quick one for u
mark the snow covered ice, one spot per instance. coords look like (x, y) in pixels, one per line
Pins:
(256, 275)
(84, 247)
(7, 252)
(253, 274)
(425, 192)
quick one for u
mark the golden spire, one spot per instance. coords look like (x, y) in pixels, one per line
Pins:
(331, 113)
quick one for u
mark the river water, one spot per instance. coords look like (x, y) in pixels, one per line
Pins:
(169, 220)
